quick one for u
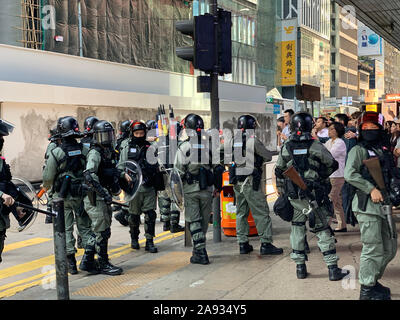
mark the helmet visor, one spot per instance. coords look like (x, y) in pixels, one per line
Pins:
(6, 127)
(105, 137)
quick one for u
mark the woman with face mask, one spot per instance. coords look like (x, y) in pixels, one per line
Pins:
(378, 238)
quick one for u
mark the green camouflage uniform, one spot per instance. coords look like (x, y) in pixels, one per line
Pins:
(73, 205)
(378, 247)
(319, 159)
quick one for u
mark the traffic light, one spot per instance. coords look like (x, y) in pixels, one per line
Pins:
(225, 41)
(202, 53)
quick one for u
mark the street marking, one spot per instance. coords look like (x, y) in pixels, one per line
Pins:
(26, 243)
(114, 287)
(18, 287)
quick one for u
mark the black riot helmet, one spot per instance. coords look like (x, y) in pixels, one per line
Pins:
(103, 133)
(68, 127)
(89, 124)
(124, 127)
(301, 123)
(247, 122)
(5, 127)
(151, 124)
(138, 125)
(194, 122)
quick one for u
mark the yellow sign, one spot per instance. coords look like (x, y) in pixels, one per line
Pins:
(371, 107)
(289, 30)
(288, 63)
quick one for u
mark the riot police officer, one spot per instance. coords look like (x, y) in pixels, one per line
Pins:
(63, 174)
(198, 180)
(88, 130)
(145, 200)
(5, 175)
(315, 164)
(124, 129)
(246, 178)
(55, 141)
(102, 177)
(378, 232)
(169, 211)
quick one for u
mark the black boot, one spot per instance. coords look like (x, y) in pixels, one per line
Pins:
(336, 273)
(245, 247)
(105, 266)
(150, 246)
(167, 226)
(301, 271)
(199, 256)
(270, 249)
(175, 227)
(2, 238)
(88, 263)
(121, 218)
(383, 289)
(72, 269)
(372, 293)
(134, 231)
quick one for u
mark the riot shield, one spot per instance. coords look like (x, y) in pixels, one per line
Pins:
(130, 188)
(176, 186)
(21, 219)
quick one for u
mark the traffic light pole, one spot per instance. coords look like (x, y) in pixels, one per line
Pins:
(214, 96)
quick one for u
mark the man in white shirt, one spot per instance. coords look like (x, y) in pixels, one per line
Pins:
(320, 130)
(287, 114)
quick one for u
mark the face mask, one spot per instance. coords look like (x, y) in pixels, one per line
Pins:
(371, 135)
(139, 141)
(1, 143)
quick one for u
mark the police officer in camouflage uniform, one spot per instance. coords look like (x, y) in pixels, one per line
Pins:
(378, 240)
(55, 140)
(63, 174)
(88, 130)
(102, 178)
(169, 211)
(7, 200)
(124, 129)
(145, 200)
(315, 164)
(198, 180)
(246, 178)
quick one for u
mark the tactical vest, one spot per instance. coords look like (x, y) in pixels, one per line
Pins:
(86, 141)
(138, 154)
(107, 172)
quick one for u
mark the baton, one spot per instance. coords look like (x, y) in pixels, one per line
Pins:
(120, 204)
(19, 204)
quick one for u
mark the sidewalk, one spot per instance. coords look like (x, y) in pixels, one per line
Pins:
(169, 275)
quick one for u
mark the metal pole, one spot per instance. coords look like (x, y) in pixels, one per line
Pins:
(60, 250)
(214, 95)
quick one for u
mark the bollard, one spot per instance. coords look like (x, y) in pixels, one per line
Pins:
(60, 250)
(216, 220)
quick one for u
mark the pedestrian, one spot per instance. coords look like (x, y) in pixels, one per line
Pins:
(63, 174)
(193, 162)
(337, 148)
(145, 200)
(315, 164)
(246, 177)
(393, 134)
(379, 243)
(5, 175)
(279, 131)
(320, 130)
(287, 114)
(103, 180)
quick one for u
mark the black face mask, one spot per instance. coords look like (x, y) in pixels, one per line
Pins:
(371, 136)
(1, 143)
(139, 141)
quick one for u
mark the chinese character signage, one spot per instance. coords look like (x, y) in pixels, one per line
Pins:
(288, 52)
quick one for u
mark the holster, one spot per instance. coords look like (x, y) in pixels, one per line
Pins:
(291, 189)
(188, 177)
(232, 174)
(159, 184)
(65, 186)
(362, 200)
(92, 197)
